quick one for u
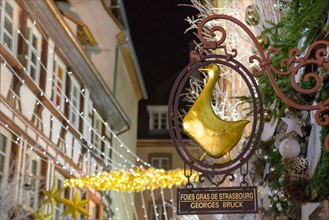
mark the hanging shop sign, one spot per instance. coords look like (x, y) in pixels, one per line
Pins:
(218, 146)
(217, 200)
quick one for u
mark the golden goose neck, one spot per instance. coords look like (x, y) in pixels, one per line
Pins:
(213, 74)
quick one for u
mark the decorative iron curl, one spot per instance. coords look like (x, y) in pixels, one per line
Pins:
(292, 63)
(204, 176)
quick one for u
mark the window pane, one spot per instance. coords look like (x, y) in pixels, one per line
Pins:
(33, 73)
(9, 10)
(33, 58)
(8, 26)
(74, 103)
(34, 41)
(60, 73)
(155, 163)
(2, 143)
(73, 118)
(2, 164)
(7, 41)
(75, 92)
(34, 167)
(165, 163)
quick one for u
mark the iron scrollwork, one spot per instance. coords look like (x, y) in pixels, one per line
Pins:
(292, 65)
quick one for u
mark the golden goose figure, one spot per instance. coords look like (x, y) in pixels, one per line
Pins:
(215, 136)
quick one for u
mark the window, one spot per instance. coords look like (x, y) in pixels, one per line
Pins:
(33, 52)
(161, 161)
(59, 206)
(58, 87)
(32, 182)
(97, 125)
(4, 158)
(158, 118)
(74, 110)
(8, 23)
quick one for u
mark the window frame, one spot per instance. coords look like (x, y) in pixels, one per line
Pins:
(160, 156)
(96, 140)
(158, 113)
(32, 51)
(76, 112)
(14, 22)
(33, 179)
(5, 153)
(55, 90)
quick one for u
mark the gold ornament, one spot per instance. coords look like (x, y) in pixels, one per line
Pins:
(133, 180)
(214, 136)
(75, 206)
(264, 41)
(252, 15)
(267, 117)
(52, 196)
(41, 215)
(282, 196)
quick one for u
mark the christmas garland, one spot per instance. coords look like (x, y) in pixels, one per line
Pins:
(287, 179)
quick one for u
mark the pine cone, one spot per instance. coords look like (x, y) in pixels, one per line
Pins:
(296, 191)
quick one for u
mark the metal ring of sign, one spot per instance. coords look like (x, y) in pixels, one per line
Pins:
(176, 130)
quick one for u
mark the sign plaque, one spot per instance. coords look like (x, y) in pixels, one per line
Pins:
(223, 200)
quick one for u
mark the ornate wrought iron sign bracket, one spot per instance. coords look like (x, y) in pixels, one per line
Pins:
(199, 123)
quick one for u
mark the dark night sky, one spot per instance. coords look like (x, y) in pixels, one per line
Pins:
(157, 31)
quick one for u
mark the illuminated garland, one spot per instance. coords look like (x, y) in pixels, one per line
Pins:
(133, 180)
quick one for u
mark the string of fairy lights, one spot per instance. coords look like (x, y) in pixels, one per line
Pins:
(90, 127)
(38, 101)
(114, 165)
(122, 145)
(31, 147)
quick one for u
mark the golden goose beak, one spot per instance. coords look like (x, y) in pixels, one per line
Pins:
(204, 70)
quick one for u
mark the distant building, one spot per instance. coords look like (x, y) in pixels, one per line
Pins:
(70, 87)
(155, 146)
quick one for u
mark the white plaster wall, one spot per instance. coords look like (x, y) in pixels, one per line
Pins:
(104, 30)
(76, 151)
(69, 144)
(125, 94)
(87, 109)
(6, 79)
(28, 101)
(127, 98)
(56, 130)
(50, 64)
(46, 119)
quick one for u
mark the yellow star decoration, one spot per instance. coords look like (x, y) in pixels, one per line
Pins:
(74, 206)
(41, 215)
(52, 196)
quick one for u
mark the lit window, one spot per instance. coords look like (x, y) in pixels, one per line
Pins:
(58, 87)
(33, 52)
(97, 125)
(8, 24)
(4, 156)
(158, 118)
(160, 162)
(75, 103)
